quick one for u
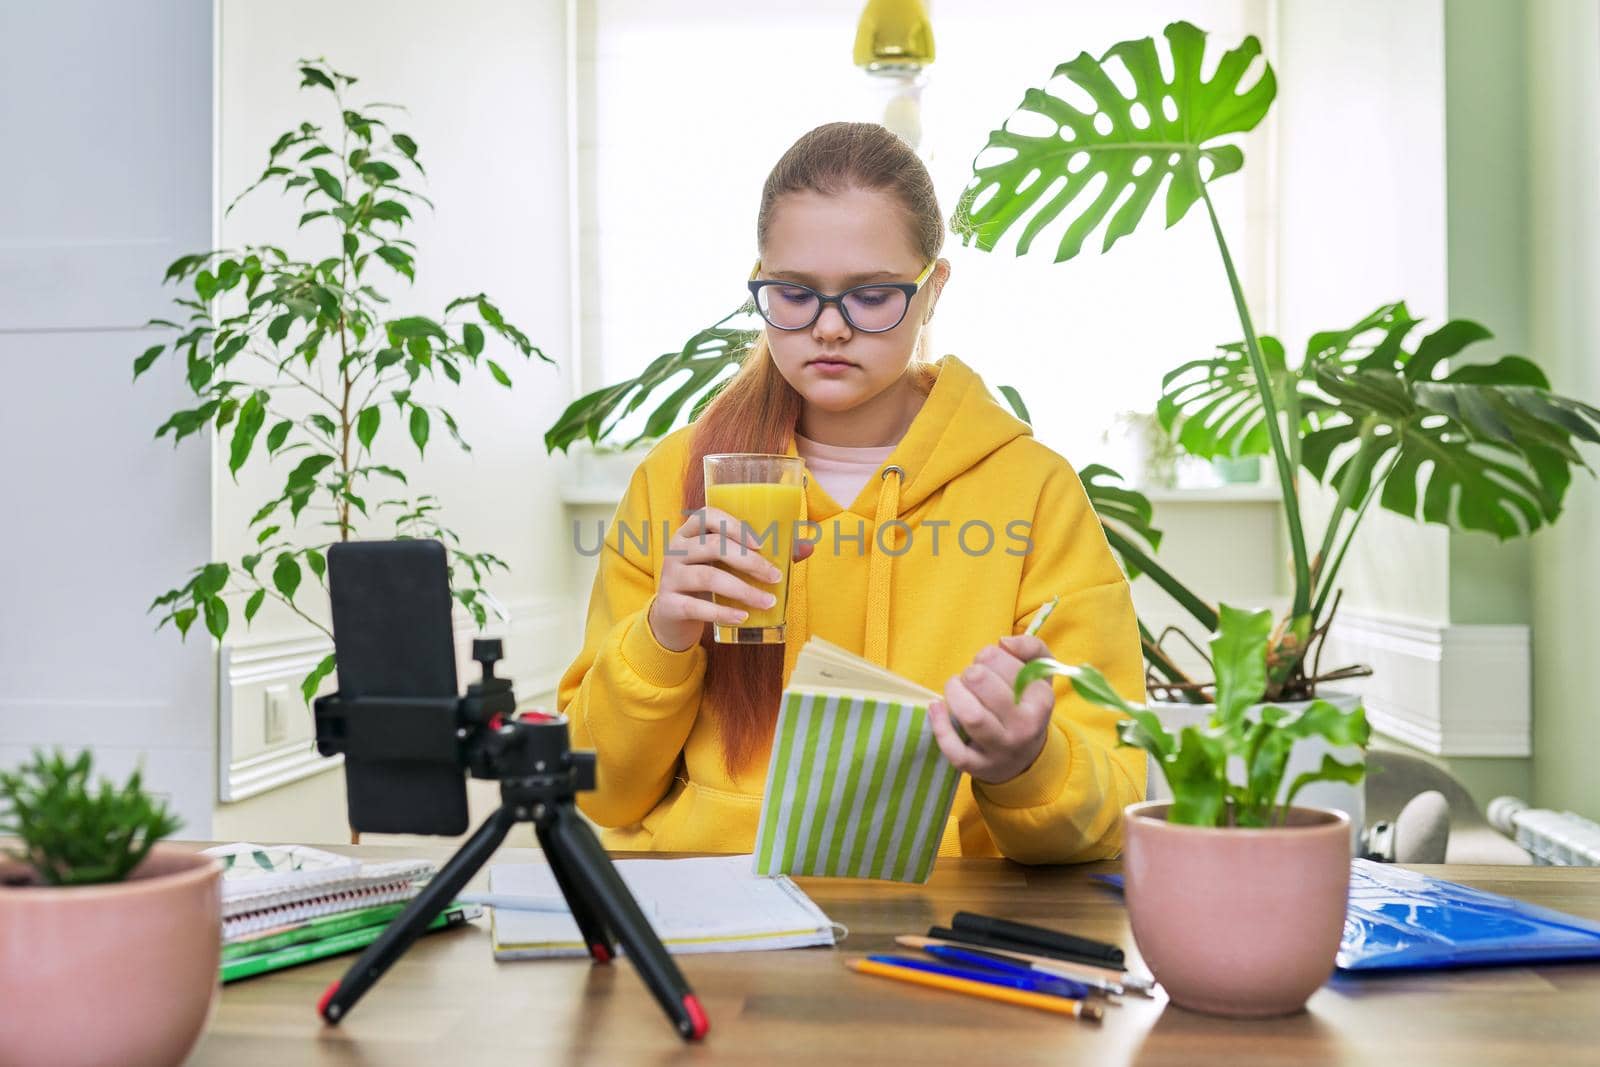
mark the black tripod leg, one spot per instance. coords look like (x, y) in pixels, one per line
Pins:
(600, 885)
(594, 931)
(409, 924)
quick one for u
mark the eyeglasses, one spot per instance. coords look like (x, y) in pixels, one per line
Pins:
(875, 308)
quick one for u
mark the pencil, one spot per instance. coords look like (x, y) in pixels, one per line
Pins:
(1100, 977)
(1042, 614)
(1042, 1001)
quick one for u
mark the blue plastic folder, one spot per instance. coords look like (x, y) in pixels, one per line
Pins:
(1399, 920)
(1402, 920)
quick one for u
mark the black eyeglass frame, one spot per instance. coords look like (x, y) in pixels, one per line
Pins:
(910, 289)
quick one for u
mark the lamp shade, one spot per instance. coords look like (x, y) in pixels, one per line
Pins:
(894, 34)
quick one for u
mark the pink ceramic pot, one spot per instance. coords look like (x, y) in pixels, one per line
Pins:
(120, 974)
(1237, 922)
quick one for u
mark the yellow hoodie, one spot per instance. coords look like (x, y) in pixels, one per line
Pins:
(924, 608)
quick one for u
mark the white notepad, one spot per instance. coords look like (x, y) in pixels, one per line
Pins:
(711, 904)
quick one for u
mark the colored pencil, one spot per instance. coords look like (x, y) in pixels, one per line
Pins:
(1101, 978)
(1044, 1002)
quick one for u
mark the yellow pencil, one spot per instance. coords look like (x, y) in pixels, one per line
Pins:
(1044, 1002)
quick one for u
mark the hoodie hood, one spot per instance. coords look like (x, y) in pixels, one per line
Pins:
(959, 425)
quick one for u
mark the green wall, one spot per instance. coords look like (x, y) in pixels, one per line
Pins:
(1562, 48)
(1486, 263)
(1522, 91)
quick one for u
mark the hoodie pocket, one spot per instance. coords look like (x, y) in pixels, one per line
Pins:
(709, 820)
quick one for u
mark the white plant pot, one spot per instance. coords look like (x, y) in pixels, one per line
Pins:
(1305, 756)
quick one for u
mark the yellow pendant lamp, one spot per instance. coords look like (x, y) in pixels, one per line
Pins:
(894, 34)
(894, 42)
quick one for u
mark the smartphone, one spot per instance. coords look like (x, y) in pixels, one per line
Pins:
(392, 636)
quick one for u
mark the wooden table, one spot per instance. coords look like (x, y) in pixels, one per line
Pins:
(448, 1002)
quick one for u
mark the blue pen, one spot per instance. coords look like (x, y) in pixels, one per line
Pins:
(1065, 987)
(1049, 986)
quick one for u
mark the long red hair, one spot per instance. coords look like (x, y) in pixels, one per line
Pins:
(757, 410)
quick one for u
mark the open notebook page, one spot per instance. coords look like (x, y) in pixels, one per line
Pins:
(825, 668)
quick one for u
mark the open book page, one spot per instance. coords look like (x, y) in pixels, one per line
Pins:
(825, 667)
(702, 904)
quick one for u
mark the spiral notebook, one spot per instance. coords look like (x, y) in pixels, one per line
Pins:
(856, 787)
(265, 886)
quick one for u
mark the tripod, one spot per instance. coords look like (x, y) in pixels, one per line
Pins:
(539, 776)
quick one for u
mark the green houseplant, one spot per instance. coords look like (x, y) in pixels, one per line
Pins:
(1377, 417)
(300, 359)
(94, 909)
(71, 834)
(1230, 865)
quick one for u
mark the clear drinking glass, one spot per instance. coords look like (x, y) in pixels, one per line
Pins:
(766, 494)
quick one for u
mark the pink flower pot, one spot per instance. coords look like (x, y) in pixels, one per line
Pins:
(1234, 921)
(123, 973)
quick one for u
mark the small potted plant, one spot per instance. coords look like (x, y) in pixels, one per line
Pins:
(1236, 896)
(109, 941)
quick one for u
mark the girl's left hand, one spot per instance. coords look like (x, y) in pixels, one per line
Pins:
(1003, 737)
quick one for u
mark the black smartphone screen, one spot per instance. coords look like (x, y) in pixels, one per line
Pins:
(392, 634)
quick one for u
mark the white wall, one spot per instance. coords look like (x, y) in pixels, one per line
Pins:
(1081, 340)
(1361, 222)
(105, 112)
(485, 86)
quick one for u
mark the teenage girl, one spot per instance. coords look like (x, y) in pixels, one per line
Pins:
(941, 527)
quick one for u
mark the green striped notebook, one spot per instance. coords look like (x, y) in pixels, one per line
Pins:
(857, 787)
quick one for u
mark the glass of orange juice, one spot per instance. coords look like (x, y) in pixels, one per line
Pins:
(766, 494)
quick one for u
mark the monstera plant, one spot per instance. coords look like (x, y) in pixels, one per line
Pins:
(1375, 412)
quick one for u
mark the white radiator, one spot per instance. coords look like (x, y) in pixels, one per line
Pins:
(1555, 838)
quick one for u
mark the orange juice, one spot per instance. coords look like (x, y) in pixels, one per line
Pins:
(771, 510)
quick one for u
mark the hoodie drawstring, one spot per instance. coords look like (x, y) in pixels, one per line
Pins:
(876, 647)
(797, 617)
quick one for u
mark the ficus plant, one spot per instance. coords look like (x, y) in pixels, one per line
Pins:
(1255, 739)
(70, 833)
(301, 362)
(1376, 413)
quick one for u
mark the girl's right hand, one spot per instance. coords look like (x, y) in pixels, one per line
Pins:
(689, 574)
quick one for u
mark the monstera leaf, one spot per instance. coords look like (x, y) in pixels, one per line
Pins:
(1484, 447)
(1166, 133)
(1212, 405)
(708, 356)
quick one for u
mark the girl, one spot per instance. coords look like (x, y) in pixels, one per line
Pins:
(941, 526)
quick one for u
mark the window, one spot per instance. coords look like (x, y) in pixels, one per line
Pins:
(687, 105)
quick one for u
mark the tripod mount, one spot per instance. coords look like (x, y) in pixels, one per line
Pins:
(397, 749)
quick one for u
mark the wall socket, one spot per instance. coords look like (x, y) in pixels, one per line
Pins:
(275, 715)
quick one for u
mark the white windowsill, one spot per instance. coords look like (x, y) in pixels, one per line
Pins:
(1222, 494)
